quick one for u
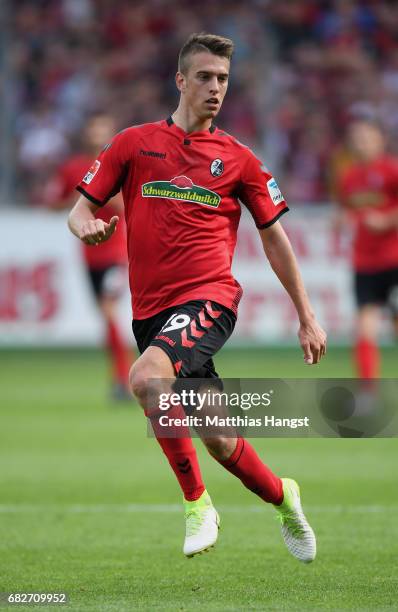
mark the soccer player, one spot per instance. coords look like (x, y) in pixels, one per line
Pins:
(182, 181)
(106, 265)
(368, 194)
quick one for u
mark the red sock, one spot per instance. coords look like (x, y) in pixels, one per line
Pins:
(182, 457)
(254, 474)
(367, 358)
(119, 353)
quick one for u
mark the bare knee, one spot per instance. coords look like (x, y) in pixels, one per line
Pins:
(144, 384)
(221, 448)
(149, 374)
(138, 377)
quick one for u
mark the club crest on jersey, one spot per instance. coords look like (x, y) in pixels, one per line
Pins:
(274, 191)
(217, 167)
(92, 172)
(181, 188)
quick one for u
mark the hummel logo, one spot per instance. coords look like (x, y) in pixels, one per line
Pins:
(184, 466)
(153, 154)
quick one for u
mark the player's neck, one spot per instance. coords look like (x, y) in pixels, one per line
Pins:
(185, 119)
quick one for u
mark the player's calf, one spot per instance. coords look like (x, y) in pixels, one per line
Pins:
(219, 447)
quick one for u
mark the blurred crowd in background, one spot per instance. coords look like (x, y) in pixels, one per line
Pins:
(301, 70)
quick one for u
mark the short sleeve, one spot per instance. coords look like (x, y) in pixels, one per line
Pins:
(259, 192)
(105, 177)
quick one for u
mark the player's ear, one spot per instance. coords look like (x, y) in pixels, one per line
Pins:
(180, 82)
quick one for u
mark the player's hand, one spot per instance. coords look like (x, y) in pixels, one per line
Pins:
(96, 231)
(313, 341)
(376, 222)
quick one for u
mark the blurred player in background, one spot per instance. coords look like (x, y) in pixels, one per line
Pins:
(182, 179)
(106, 265)
(368, 196)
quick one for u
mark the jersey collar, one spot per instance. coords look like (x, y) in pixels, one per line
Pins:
(171, 123)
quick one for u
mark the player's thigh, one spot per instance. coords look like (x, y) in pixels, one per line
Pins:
(193, 333)
(368, 319)
(108, 283)
(367, 289)
(369, 296)
(95, 277)
(154, 362)
(180, 341)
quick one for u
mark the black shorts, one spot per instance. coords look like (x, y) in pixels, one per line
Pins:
(108, 281)
(377, 288)
(190, 334)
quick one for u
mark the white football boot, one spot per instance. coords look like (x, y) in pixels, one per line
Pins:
(202, 525)
(297, 533)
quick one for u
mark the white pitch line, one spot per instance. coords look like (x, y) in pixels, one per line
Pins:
(175, 508)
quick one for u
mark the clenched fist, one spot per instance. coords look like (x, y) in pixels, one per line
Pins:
(96, 231)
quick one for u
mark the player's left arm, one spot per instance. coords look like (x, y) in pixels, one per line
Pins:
(280, 254)
(259, 191)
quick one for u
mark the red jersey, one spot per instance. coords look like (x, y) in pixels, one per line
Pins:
(181, 194)
(377, 183)
(114, 250)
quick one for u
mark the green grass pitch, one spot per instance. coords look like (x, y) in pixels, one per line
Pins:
(89, 506)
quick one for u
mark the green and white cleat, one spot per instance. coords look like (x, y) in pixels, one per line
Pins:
(297, 533)
(202, 524)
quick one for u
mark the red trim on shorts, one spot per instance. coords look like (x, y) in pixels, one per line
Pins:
(177, 366)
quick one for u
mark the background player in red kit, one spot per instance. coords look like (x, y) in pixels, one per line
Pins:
(182, 181)
(106, 264)
(368, 193)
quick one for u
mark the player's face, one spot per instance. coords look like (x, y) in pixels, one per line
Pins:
(366, 141)
(99, 131)
(205, 84)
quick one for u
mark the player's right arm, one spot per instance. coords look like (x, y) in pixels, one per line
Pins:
(83, 224)
(103, 180)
